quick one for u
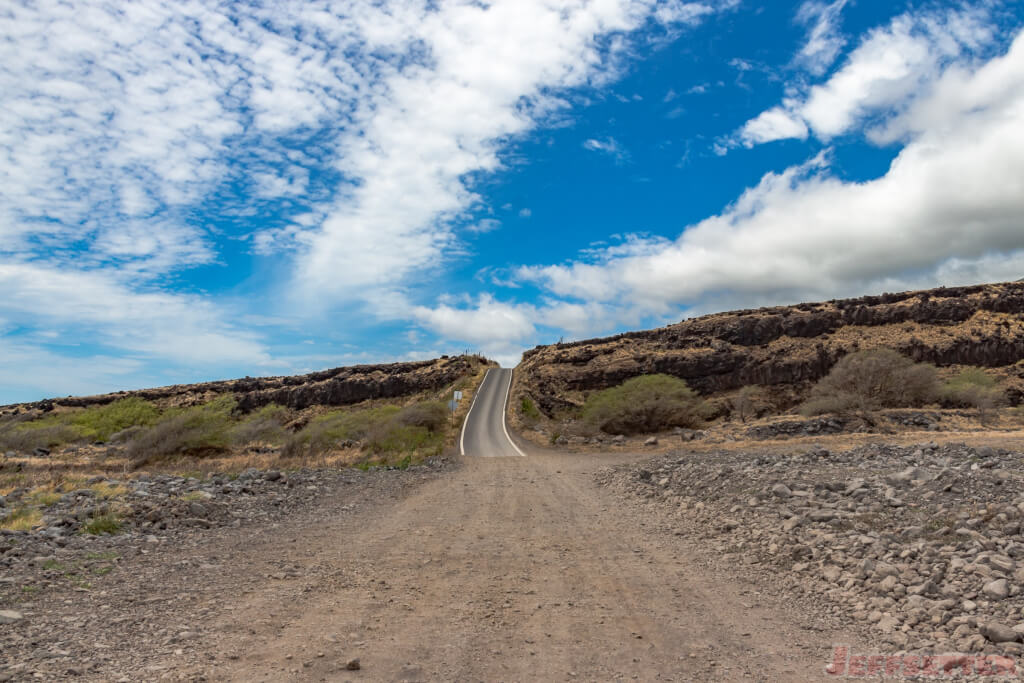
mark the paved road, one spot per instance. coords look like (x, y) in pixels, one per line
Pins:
(485, 433)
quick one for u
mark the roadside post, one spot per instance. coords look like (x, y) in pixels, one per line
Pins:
(454, 404)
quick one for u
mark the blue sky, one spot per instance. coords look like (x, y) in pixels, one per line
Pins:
(196, 190)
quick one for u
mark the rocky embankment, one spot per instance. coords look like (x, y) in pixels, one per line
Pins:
(787, 348)
(335, 387)
(922, 547)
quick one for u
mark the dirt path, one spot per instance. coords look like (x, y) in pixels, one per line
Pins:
(514, 569)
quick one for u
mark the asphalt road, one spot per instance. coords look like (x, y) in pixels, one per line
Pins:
(484, 432)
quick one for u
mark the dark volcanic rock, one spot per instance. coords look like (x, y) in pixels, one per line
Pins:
(788, 348)
(335, 387)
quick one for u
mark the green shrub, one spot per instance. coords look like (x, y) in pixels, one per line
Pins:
(100, 422)
(973, 388)
(870, 380)
(431, 415)
(108, 523)
(26, 436)
(97, 423)
(529, 410)
(387, 429)
(181, 431)
(265, 425)
(649, 403)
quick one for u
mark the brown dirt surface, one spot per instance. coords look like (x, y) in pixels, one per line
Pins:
(515, 569)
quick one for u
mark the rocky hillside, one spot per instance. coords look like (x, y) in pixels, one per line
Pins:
(335, 387)
(788, 348)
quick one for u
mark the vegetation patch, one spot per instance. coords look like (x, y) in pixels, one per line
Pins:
(97, 423)
(21, 519)
(380, 431)
(43, 496)
(265, 425)
(108, 523)
(195, 430)
(529, 410)
(105, 491)
(972, 388)
(649, 403)
(870, 380)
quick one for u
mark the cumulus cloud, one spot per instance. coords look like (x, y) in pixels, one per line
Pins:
(892, 67)
(948, 211)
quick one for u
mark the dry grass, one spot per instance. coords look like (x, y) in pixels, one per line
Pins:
(21, 519)
(43, 496)
(105, 491)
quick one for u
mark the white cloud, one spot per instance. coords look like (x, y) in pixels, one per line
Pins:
(469, 78)
(485, 225)
(948, 211)
(31, 372)
(892, 67)
(525, 213)
(94, 306)
(609, 146)
(120, 120)
(774, 124)
(824, 40)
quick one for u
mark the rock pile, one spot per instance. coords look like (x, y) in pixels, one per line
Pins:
(920, 546)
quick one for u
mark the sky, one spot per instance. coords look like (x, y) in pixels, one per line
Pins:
(199, 190)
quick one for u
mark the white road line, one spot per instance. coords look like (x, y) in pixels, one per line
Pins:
(462, 436)
(504, 411)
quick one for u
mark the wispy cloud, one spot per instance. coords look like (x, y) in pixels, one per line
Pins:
(609, 146)
(824, 38)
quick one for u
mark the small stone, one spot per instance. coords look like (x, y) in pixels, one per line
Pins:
(41, 452)
(653, 441)
(197, 509)
(996, 590)
(272, 475)
(352, 665)
(999, 633)
(781, 491)
(8, 616)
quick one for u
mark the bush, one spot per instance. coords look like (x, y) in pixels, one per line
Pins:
(531, 414)
(973, 388)
(99, 423)
(185, 431)
(649, 403)
(387, 429)
(431, 415)
(26, 436)
(265, 425)
(744, 404)
(870, 380)
(108, 523)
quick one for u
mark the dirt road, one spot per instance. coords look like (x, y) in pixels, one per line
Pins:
(510, 569)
